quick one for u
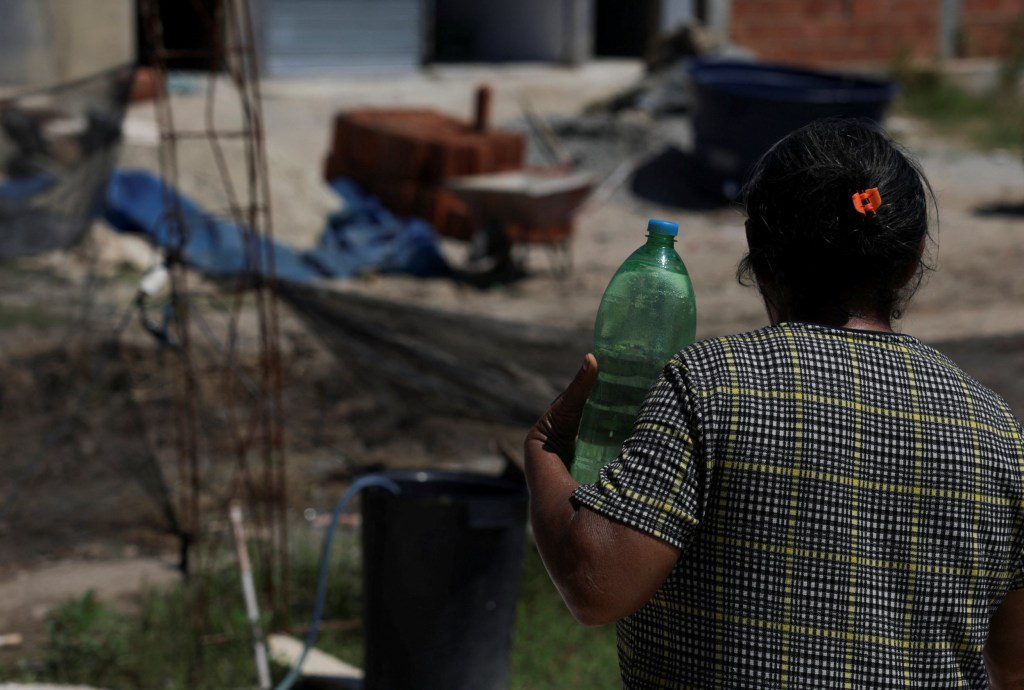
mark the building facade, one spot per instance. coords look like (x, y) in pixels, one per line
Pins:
(310, 37)
(839, 32)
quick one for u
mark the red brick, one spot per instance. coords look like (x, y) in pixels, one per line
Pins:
(406, 156)
(822, 31)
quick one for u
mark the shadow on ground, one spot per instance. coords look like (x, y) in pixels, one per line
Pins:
(996, 361)
(1001, 209)
(677, 179)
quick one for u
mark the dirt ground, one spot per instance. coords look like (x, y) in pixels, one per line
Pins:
(96, 495)
(28, 596)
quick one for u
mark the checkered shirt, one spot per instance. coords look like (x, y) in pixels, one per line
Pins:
(849, 508)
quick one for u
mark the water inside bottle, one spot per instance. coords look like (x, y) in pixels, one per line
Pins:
(625, 374)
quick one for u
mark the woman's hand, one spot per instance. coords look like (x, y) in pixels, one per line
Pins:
(603, 569)
(554, 434)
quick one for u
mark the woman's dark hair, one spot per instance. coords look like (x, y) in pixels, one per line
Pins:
(813, 255)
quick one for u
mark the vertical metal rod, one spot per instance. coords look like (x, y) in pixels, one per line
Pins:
(253, 431)
(252, 610)
(267, 299)
(482, 117)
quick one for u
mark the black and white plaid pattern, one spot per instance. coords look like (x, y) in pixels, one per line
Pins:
(849, 507)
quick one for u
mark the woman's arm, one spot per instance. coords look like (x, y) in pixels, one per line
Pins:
(604, 570)
(1004, 650)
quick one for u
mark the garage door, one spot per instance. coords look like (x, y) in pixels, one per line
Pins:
(309, 37)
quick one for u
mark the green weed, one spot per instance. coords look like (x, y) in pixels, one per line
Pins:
(194, 635)
(989, 119)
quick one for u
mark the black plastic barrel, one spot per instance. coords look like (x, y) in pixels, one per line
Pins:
(442, 562)
(742, 108)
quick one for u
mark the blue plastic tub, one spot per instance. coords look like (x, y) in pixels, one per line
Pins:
(742, 108)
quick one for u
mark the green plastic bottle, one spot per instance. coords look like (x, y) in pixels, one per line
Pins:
(648, 313)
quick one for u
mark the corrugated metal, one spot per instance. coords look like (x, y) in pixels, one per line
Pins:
(324, 36)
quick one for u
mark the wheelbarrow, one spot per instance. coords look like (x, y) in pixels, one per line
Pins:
(521, 207)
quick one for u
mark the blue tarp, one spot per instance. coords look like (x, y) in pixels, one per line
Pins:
(363, 237)
(136, 203)
(364, 232)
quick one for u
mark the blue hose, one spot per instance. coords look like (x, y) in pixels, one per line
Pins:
(373, 480)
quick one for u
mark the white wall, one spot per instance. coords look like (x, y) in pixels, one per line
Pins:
(52, 41)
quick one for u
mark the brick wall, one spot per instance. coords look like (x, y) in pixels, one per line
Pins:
(989, 27)
(831, 32)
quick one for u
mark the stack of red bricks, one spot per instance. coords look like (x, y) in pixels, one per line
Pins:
(404, 157)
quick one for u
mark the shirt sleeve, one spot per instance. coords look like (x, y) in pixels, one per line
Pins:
(657, 484)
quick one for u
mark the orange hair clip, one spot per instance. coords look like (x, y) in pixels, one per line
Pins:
(867, 201)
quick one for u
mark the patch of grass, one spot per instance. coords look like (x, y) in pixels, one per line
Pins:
(344, 599)
(164, 644)
(989, 119)
(550, 649)
(84, 640)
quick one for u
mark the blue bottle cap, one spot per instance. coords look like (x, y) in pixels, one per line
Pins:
(663, 227)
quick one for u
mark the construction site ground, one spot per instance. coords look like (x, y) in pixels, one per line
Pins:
(91, 512)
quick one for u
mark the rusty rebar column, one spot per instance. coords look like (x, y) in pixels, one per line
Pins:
(482, 120)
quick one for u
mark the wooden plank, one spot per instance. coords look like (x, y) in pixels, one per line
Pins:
(286, 650)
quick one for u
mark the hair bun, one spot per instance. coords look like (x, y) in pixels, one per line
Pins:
(817, 224)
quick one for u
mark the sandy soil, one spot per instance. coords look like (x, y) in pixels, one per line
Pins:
(974, 291)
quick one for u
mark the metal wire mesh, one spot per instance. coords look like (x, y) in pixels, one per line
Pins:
(248, 423)
(57, 147)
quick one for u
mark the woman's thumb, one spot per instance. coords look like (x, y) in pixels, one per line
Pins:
(575, 396)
